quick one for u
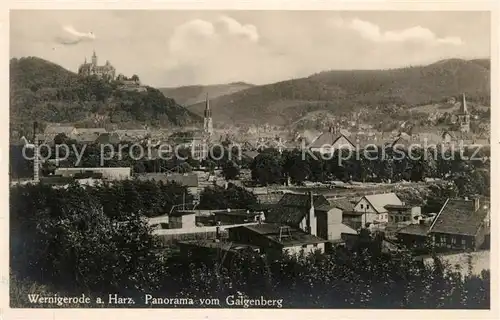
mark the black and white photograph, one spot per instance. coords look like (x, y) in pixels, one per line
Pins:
(250, 159)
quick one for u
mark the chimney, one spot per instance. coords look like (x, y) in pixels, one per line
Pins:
(476, 203)
(217, 232)
(311, 217)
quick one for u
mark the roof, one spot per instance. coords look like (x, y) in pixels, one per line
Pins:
(458, 216)
(188, 180)
(292, 208)
(415, 229)
(86, 136)
(222, 245)
(403, 139)
(91, 130)
(236, 212)
(341, 228)
(179, 213)
(153, 177)
(55, 129)
(250, 154)
(379, 201)
(342, 203)
(272, 232)
(329, 139)
(397, 206)
(108, 137)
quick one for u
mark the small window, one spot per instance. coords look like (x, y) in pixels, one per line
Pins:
(361, 206)
(453, 240)
(443, 239)
(304, 246)
(315, 245)
(367, 207)
(463, 241)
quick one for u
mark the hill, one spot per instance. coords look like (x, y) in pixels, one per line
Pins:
(346, 92)
(188, 95)
(43, 91)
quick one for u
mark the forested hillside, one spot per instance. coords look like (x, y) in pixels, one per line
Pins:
(44, 91)
(188, 95)
(345, 91)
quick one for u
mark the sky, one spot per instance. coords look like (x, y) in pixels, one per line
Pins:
(176, 48)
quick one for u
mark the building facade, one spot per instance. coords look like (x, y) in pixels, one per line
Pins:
(105, 72)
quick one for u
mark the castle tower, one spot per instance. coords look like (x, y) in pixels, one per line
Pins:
(94, 59)
(207, 122)
(464, 116)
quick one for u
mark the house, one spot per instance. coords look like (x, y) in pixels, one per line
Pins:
(330, 141)
(276, 238)
(107, 173)
(461, 224)
(402, 214)
(181, 219)
(402, 141)
(86, 137)
(249, 154)
(237, 216)
(297, 210)
(54, 129)
(353, 219)
(329, 217)
(413, 236)
(373, 208)
(108, 138)
(189, 180)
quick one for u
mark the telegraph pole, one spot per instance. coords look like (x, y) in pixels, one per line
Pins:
(36, 160)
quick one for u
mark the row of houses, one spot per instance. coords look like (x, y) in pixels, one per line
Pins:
(335, 140)
(307, 222)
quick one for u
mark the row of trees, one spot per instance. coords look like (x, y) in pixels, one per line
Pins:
(468, 169)
(94, 241)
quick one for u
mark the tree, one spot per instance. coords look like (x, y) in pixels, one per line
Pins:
(230, 170)
(210, 165)
(266, 168)
(61, 138)
(216, 197)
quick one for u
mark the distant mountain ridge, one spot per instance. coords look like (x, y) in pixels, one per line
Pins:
(44, 91)
(188, 95)
(342, 92)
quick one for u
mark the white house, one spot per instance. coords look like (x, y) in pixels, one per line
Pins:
(373, 206)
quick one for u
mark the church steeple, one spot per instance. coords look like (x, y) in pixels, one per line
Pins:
(208, 112)
(464, 105)
(94, 59)
(464, 116)
(207, 121)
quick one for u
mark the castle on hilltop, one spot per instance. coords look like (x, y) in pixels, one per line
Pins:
(106, 72)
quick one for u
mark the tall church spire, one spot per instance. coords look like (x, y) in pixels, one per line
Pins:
(464, 105)
(207, 121)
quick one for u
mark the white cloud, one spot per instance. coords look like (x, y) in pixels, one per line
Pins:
(196, 41)
(235, 28)
(72, 36)
(372, 32)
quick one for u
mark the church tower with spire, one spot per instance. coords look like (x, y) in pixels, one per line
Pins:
(464, 116)
(207, 122)
(94, 59)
